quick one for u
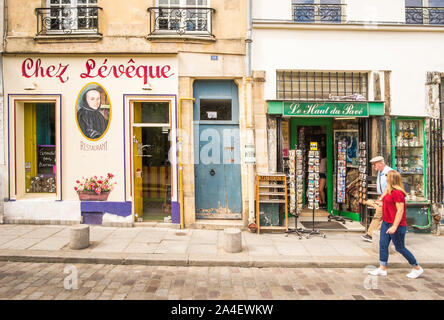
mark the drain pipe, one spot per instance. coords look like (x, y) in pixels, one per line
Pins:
(180, 147)
(250, 117)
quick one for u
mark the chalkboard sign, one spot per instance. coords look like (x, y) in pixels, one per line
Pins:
(46, 159)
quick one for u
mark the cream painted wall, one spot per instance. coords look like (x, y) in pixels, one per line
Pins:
(356, 10)
(376, 10)
(76, 162)
(409, 55)
(125, 26)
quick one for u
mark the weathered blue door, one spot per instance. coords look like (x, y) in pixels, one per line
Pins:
(216, 150)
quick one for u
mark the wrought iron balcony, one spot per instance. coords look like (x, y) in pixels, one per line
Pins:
(424, 15)
(68, 20)
(181, 21)
(319, 13)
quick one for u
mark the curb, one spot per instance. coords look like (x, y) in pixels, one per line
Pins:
(186, 262)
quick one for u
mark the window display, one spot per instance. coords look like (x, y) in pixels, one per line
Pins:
(409, 157)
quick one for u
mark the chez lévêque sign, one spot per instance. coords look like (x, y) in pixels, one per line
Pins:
(95, 69)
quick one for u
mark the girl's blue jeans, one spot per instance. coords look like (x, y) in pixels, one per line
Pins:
(398, 240)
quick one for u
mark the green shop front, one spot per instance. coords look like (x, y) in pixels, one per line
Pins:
(409, 158)
(343, 132)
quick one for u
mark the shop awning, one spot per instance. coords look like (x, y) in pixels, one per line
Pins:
(326, 109)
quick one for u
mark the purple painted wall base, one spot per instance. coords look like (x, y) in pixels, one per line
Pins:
(175, 212)
(92, 217)
(122, 209)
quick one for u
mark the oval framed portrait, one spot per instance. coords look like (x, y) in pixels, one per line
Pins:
(93, 111)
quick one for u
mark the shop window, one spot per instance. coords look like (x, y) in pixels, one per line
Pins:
(424, 12)
(40, 148)
(68, 16)
(182, 16)
(215, 110)
(305, 85)
(318, 11)
(154, 112)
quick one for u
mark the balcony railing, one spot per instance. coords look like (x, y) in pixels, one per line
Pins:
(319, 13)
(68, 20)
(424, 15)
(181, 21)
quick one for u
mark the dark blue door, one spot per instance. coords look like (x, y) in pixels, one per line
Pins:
(216, 153)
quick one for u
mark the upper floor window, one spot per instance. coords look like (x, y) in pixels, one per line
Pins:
(181, 17)
(68, 16)
(325, 85)
(424, 12)
(318, 11)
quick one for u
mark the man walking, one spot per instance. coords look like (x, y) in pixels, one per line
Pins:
(381, 184)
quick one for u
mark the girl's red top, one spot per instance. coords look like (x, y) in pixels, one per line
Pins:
(389, 207)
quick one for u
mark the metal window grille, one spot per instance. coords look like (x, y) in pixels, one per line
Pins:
(309, 85)
(68, 16)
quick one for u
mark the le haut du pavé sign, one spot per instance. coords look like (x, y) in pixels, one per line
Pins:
(328, 109)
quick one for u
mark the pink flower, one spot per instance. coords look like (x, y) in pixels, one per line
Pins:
(77, 181)
(98, 190)
(75, 188)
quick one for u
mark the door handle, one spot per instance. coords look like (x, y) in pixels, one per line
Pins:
(212, 172)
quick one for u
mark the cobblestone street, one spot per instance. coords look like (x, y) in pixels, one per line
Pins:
(47, 281)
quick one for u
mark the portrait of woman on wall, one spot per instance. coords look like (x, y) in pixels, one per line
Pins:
(93, 111)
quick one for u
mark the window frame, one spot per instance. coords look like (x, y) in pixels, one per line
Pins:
(182, 20)
(317, 9)
(16, 146)
(74, 29)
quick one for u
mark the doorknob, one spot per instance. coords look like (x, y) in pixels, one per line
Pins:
(212, 172)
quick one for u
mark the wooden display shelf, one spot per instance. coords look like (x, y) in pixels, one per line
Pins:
(262, 196)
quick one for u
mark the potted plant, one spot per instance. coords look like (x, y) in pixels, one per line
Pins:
(95, 188)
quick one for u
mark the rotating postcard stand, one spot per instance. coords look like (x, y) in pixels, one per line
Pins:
(313, 186)
(341, 180)
(296, 187)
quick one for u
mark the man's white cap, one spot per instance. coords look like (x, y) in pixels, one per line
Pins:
(377, 159)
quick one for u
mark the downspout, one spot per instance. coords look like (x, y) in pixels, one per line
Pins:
(250, 115)
(3, 20)
(179, 153)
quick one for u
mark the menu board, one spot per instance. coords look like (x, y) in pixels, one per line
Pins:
(46, 155)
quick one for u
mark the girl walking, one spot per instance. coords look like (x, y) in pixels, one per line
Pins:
(394, 226)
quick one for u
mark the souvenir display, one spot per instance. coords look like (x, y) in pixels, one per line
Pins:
(292, 180)
(313, 180)
(342, 171)
(362, 174)
(45, 184)
(299, 180)
(409, 156)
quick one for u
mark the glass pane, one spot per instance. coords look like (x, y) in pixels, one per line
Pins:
(54, 2)
(155, 112)
(152, 176)
(215, 110)
(191, 3)
(163, 2)
(330, 1)
(413, 3)
(303, 1)
(40, 149)
(202, 3)
(436, 3)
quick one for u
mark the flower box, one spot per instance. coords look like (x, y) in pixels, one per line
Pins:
(92, 196)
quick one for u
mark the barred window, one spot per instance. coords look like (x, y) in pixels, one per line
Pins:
(72, 15)
(316, 85)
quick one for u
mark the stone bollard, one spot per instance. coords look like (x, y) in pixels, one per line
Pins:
(375, 243)
(79, 237)
(232, 240)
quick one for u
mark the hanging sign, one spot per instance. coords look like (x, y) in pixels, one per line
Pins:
(325, 109)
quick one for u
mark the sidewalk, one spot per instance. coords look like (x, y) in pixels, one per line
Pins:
(196, 247)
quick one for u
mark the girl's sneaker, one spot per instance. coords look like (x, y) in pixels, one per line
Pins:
(415, 273)
(378, 272)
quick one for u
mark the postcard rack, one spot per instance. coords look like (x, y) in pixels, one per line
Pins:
(271, 189)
